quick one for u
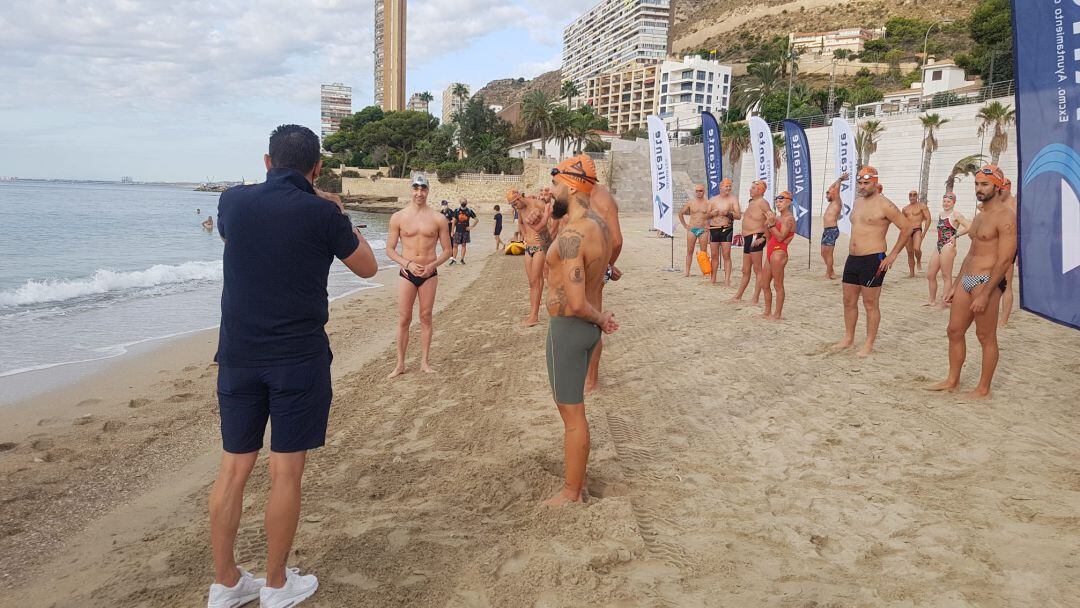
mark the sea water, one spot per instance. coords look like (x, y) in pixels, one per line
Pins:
(87, 270)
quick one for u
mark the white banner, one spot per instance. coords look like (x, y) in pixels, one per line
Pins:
(662, 179)
(845, 163)
(761, 145)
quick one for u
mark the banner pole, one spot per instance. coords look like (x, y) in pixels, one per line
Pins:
(828, 146)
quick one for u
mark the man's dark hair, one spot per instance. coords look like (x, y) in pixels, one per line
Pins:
(496, 207)
(294, 147)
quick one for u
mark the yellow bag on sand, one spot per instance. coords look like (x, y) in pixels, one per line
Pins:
(703, 262)
(515, 248)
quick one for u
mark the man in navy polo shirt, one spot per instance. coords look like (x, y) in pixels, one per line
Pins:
(281, 237)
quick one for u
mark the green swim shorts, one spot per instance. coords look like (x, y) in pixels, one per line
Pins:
(570, 342)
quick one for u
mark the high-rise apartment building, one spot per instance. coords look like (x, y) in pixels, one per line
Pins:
(418, 102)
(390, 54)
(336, 104)
(625, 96)
(451, 104)
(612, 34)
(689, 87)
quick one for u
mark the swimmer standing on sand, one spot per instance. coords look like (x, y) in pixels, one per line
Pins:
(753, 231)
(919, 216)
(698, 209)
(723, 211)
(780, 230)
(576, 266)
(866, 265)
(537, 237)
(831, 232)
(419, 227)
(975, 297)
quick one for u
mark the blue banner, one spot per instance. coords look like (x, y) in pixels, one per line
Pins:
(1047, 52)
(714, 168)
(798, 176)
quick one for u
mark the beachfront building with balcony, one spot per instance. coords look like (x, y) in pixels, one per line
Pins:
(417, 103)
(614, 33)
(937, 78)
(336, 103)
(625, 96)
(451, 104)
(690, 86)
(851, 39)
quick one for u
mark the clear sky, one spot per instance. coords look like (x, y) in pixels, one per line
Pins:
(189, 90)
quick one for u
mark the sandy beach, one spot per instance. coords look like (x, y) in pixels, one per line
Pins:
(735, 462)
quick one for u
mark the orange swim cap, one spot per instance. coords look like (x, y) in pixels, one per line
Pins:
(1008, 184)
(868, 174)
(785, 194)
(512, 195)
(994, 174)
(725, 182)
(578, 172)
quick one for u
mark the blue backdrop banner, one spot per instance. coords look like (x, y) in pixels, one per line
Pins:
(798, 176)
(1047, 66)
(714, 166)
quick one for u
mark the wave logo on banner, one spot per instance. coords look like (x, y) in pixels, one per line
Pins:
(1047, 52)
(798, 176)
(1057, 159)
(662, 180)
(714, 168)
(762, 147)
(845, 163)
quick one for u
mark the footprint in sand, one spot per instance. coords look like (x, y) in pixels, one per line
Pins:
(136, 403)
(86, 402)
(515, 563)
(7, 446)
(41, 445)
(180, 397)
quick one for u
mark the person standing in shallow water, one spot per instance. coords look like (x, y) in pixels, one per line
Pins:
(273, 355)
(419, 228)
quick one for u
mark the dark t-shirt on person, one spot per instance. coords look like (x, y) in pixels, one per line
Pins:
(280, 239)
(462, 215)
(498, 223)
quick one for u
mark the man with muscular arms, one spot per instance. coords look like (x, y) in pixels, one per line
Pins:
(698, 208)
(753, 232)
(831, 232)
(917, 213)
(723, 211)
(867, 263)
(576, 266)
(418, 227)
(603, 203)
(976, 296)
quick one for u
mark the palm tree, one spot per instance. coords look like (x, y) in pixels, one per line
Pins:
(778, 144)
(866, 140)
(931, 123)
(736, 140)
(767, 78)
(460, 91)
(786, 56)
(568, 92)
(561, 124)
(536, 110)
(998, 117)
(425, 97)
(584, 121)
(969, 165)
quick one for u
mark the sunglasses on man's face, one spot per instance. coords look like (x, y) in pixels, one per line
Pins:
(419, 187)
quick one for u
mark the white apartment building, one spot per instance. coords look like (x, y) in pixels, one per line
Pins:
(336, 104)
(614, 33)
(417, 103)
(827, 43)
(450, 104)
(625, 96)
(689, 87)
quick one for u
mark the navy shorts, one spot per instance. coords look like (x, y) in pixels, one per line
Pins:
(295, 398)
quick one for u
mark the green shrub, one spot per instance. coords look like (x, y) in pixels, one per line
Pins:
(350, 173)
(327, 183)
(448, 171)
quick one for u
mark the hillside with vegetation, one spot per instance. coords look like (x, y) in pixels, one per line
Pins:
(978, 37)
(507, 91)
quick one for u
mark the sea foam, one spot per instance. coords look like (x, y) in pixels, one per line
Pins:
(104, 281)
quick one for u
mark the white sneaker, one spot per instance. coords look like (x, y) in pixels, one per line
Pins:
(298, 587)
(245, 590)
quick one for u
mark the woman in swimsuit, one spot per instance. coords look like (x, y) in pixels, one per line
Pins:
(951, 225)
(780, 230)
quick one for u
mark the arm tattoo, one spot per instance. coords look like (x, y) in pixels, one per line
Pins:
(577, 275)
(545, 239)
(1008, 229)
(569, 244)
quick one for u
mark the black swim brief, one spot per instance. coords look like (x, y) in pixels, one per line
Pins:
(720, 235)
(862, 270)
(415, 280)
(748, 243)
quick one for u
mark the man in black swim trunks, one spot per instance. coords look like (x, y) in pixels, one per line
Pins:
(723, 211)
(419, 228)
(867, 263)
(753, 233)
